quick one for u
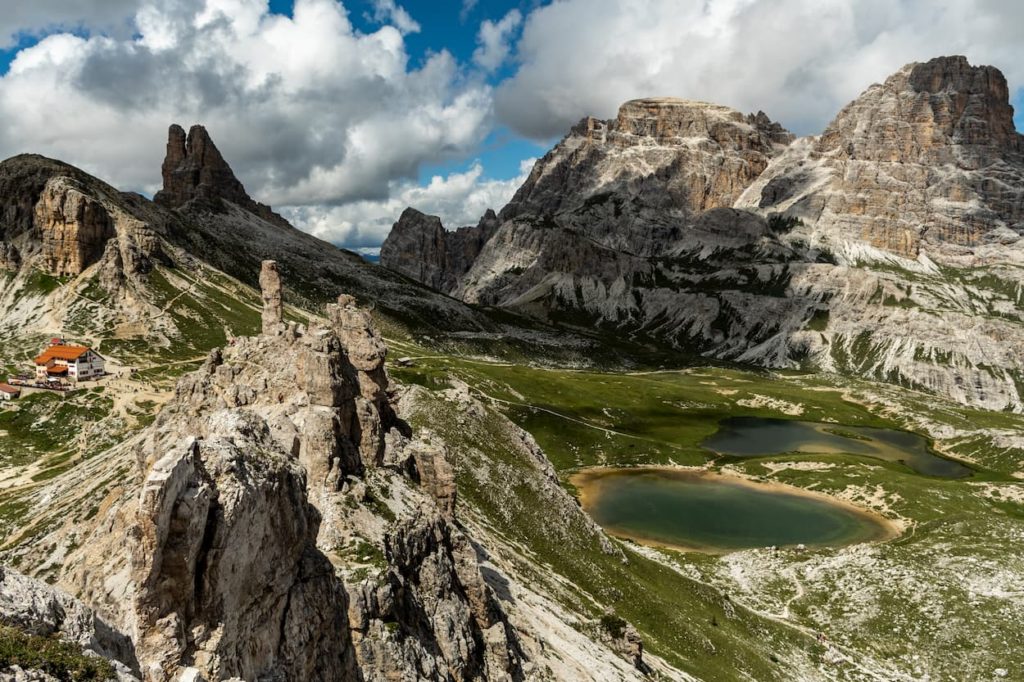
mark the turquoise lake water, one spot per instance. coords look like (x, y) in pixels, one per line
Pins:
(759, 437)
(693, 510)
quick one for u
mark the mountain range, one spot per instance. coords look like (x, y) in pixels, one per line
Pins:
(888, 247)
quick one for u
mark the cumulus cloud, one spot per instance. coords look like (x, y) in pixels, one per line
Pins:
(798, 60)
(494, 40)
(390, 12)
(458, 198)
(332, 124)
(38, 16)
(306, 108)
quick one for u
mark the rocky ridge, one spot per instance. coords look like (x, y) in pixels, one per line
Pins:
(278, 520)
(889, 247)
(133, 277)
(67, 221)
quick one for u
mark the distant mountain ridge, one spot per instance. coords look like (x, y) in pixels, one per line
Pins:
(890, 246)
(144, 279)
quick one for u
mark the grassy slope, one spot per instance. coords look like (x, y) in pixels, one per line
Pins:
(953, 627)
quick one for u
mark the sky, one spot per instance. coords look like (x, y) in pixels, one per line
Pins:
(342, 113)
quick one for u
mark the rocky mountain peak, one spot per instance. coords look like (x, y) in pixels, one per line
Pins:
(670, 120)
(941, 111)
(194, 171)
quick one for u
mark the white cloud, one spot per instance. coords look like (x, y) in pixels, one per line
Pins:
(494, 39)
(467, 7)
(333, 124)
(798, 60)
(391, 12)
(38, 16)
(305, 108)
(459, 199)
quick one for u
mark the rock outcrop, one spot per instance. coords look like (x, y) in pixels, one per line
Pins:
(270, 288)
(195, 171)
(61, 221)
(40, 609)
(628, 184)
(641, 176)
(264, 468)
(229, 580)
(10, 257)
(74, 228)
(419, 247)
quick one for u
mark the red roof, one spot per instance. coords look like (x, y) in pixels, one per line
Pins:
(7, 388)
(66, 353)
(57, 371)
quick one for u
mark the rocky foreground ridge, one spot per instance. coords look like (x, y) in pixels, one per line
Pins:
(280, 521)
(890, 246)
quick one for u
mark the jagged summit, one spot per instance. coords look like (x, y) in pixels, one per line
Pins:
(194, 170)
(928, 160)
(664, 118)
(941, 111)
(675, 156)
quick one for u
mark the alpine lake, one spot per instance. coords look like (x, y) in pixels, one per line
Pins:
(698, 510)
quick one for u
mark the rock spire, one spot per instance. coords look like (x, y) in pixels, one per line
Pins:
(195, 173)
(270, 286)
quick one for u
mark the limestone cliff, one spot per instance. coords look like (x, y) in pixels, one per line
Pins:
(927, 162)
(35, 608)
(63, 222)
(670, 156)
(636, 179)
(419, 247)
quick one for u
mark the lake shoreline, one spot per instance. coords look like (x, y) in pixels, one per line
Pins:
(588, 495)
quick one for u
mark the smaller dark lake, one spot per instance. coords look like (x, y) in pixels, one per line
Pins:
(697, 510)
(760, 437)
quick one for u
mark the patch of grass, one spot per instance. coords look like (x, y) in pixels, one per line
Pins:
(42, 283)
(53, 656)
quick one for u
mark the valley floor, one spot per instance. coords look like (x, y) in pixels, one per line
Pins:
(941, 601)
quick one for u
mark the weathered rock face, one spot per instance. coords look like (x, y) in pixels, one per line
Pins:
(254, 477)
(230, 581)
(73, 227)
(57, 219)
(629, 184)
(646, 173)
(928, 161)
(195, 171)
(10, 257)
(416, 248)
(434, 587)
(419, 247)
(194, 168)
(40, 609)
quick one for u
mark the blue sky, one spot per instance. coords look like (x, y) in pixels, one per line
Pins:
(445, 25)
(341, 124)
